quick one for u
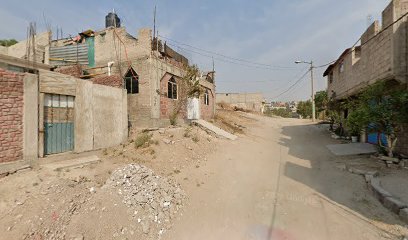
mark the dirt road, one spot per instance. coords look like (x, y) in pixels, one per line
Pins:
(280, 182)
(277, 181)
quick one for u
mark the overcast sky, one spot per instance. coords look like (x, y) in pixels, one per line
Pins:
(270, 32)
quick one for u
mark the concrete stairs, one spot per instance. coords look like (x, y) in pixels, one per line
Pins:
(215, 129)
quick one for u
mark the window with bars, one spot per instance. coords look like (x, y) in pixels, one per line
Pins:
(132, 82)
(206, 97)
(172, 89)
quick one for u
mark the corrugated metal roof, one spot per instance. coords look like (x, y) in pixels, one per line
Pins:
(66, 55)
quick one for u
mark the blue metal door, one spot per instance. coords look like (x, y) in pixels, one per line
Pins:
(58, 123)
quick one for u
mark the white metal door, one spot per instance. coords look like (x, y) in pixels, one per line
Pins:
(193, 109)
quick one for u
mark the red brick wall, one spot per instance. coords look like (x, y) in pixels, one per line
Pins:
(75, 70)
(11, 116)
(166, 104)
(207, 111)
(112, 81)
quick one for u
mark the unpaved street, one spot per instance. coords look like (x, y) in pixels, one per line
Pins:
(280, 182)
(277, 181)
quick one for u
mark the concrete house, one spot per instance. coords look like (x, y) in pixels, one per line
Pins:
(381, 56)
(147, 68)
(44, 112)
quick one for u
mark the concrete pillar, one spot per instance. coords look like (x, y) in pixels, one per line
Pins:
(30, 117)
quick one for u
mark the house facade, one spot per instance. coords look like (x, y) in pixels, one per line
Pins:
(148, 69)
(381, 56)
(44, 112)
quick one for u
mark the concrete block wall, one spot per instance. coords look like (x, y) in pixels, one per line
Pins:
(11, 116)
(144, 108)
(42, 40)
(382, 58)
(139, 105)
(248, 101)
(115, 45)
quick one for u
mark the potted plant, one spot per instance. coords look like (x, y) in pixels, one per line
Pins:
(354, 124)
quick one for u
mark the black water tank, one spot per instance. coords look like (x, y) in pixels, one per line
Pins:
(112, 20)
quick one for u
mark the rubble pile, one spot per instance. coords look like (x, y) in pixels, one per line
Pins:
(154, 200)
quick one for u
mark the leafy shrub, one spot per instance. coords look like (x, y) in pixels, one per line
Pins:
(143, 140)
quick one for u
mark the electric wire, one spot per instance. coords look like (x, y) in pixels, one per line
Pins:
(223, 56)
(293, 85)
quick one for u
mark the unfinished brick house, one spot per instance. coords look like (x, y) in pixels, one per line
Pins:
(381, 56)
(148, 69)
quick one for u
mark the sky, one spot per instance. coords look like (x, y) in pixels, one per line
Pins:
(254, 44)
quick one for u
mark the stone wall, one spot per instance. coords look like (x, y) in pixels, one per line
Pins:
(11, 116)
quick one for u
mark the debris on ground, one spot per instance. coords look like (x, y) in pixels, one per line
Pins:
(154, 200)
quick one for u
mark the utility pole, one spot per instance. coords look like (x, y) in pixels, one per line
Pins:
(313, 94)
(154, 23)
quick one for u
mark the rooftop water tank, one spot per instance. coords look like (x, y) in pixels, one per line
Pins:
(112, 20)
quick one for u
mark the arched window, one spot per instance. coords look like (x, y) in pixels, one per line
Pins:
(132, 81)
(206, 97)
(172, 89)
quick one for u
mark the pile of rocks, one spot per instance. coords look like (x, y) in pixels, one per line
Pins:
(154, 200)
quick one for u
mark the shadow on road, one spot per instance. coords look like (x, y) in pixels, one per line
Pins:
(311, 163)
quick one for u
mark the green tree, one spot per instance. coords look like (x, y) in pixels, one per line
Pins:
(279, 112)
(385, 109)
(188, 87)
(7, 42)
(321, 101)
(304, 108)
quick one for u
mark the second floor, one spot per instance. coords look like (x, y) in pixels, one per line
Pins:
(380, 56)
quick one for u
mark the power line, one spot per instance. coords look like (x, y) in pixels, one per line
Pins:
(225, 56)
(221, 59)
(298, 81)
